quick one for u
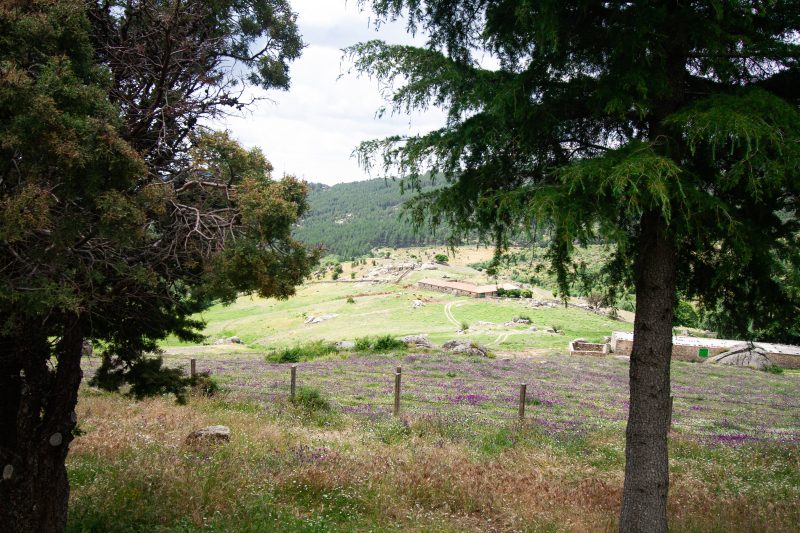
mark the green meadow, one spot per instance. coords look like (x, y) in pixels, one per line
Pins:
(364, 308)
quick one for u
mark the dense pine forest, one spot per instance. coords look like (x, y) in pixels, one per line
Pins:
(350, 219)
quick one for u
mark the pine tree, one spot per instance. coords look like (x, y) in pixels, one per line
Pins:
(669, 128)
(119, 215)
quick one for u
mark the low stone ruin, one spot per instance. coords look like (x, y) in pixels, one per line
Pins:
(229, 340)
(583, 347)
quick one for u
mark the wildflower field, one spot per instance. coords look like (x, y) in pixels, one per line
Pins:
(457, 459)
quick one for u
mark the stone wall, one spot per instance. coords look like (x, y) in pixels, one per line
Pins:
(690, 353)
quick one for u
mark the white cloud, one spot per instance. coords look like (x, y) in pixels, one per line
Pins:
(312, 129)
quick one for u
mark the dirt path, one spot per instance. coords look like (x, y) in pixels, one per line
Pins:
(448, 312)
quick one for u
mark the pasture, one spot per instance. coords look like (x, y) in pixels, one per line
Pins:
(456, 459)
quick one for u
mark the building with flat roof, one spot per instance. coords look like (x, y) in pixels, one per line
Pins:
(700, 348)
(458, 288)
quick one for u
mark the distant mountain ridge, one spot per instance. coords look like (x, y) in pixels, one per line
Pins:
(350, 219)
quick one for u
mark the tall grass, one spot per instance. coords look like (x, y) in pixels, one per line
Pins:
(303, 352)
(130, 471)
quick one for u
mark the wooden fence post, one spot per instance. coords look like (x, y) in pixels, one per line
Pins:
(293, 386)
(522, 394)
(193, 367)
(397, 377)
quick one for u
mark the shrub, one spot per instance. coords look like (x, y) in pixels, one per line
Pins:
(513, 293)
(594, 299)
(464, 326)
(384, 343)
(203, 384)
(146, 377)
(363, 344)
(311, 399)
(775, 369)
(440, 258)
(303, 352)
(335, 276)
(350, 300)
(387, 342)
(501, 291)
(686, 315)
(526, 294)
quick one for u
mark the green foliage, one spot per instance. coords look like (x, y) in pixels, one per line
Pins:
(686, 315)
(303, 352)
(204, 384)
(350, 300)
(146, 377)
(583, 128)
(441, 258)
(382, 343)
(525, 293)
(350, 219)
(464, 326)
(311, 399)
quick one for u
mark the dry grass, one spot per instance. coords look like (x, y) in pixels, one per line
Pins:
(300, 472)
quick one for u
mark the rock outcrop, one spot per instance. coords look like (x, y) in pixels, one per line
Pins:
(209, 435)
(465, 347)
(419, 341)
(745, 355)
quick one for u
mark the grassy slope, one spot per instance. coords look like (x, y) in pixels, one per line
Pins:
(457, 460)
(387, 309)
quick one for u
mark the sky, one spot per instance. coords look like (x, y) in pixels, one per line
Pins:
(311, 130)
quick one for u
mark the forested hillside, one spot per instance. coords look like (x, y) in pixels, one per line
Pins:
(350, 219)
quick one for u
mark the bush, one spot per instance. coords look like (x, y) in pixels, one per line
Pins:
(311, 399)
(335, 276)
(303, 352)
(440, 258)
(526, 294)
(384, 343)
(686, 315)
(775, 369)
(387, 342)
(350, 300)
(513, 293)
(501, 291)
(147, 377)
(464, 326)
(594, 299)
(203, 384)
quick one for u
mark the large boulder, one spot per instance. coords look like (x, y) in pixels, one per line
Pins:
(745, 355)
(209, 435)
(420, 341)
(465, 347)
(345, 345)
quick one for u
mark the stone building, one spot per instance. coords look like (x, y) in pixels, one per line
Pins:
(458, 288)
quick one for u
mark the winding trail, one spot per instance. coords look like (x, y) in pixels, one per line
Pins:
(448, 312)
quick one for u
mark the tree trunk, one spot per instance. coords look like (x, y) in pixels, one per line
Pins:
(36, 421)
(644, 500)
